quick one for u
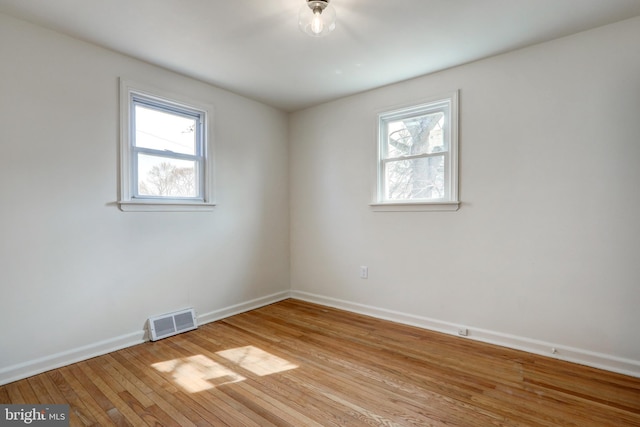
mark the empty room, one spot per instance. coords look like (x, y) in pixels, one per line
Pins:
(320, 213)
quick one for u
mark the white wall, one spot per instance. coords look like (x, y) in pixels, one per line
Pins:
(545, 250)
(77, 275)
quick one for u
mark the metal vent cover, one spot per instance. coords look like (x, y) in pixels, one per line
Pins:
(169, 324)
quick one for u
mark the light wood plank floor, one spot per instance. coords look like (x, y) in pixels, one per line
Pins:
(298, 364)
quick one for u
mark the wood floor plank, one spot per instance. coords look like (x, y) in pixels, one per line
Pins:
(14, 393)
(120, 381)
(121, 406)
(78, 406)
(95, 412)
(4, 396)
(52, 390)
(40, 390)
(90, 387)
(113, 414)
(279, 412)
(141, 360)
(612, 390)
(27, 391)
(151, 414)
(295, 363)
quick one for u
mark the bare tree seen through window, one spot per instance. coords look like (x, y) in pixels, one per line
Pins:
(416, 171)
(169, 180)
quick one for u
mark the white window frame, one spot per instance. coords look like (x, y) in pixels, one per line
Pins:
(448, 203)
(132, 93)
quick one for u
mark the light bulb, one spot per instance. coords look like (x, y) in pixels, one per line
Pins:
(317, 18)
(316, 23)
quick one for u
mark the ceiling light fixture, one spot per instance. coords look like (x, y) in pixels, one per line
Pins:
(317, 18)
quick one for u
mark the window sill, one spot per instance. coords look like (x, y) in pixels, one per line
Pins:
(164, 206)
(415, 207)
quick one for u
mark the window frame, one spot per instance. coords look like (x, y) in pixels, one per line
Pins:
(426, 106)
(132, 94)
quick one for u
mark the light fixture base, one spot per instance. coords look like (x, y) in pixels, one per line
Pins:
(317, 4)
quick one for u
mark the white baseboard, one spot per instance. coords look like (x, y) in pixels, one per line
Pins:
(222, 313)
(47, 363)
(569, 354)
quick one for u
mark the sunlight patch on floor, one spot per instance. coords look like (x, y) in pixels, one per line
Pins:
(257, 361)
(199, 373)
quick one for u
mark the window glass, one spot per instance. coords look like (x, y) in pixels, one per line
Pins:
(416, 135)
(166, 177)
(160, 130)
(415, 179)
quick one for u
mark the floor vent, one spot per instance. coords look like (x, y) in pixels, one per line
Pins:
(170, 324)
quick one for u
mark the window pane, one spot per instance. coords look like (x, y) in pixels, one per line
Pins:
(161, 130)
(161, 176)
(415, 179)
(416, 135)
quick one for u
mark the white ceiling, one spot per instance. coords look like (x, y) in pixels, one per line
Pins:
(254, 47)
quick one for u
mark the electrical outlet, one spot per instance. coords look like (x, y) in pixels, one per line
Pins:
(364, 272)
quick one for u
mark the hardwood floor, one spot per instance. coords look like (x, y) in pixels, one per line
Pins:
(298, 364)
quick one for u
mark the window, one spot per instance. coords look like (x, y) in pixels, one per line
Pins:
(418, 156)
(165, 152)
